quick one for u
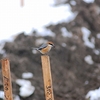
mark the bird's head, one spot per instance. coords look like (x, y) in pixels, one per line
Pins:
(51, 44)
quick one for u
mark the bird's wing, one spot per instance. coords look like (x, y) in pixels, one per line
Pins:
(42, 46)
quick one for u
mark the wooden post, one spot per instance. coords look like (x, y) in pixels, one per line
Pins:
(47, 77)
(22, 3)
(7, 79)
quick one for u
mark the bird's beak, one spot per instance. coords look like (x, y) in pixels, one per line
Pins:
(53, 45)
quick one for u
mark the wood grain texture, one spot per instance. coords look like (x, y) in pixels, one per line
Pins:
(47, 77)
(7, 79)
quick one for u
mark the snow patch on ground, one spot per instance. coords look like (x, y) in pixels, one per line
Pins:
(1, 48)
(86, 82)
(34, 14)
(73, 2)
(27, 75)
(93, 94)
(88, 59)
(2, 95)
(98, 36)
(40, 41)
(26, 89)
(88, 1)
(63, 44)
(96, 51)
(45, 32)
(16, 97)
(86, 34)
(65, 32)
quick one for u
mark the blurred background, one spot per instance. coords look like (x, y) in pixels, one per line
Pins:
(73, 26)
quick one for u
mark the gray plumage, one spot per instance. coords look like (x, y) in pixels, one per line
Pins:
(41, 47)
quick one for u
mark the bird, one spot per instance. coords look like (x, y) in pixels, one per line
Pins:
(45, 48)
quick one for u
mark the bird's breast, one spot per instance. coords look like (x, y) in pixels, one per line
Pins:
(45, 50)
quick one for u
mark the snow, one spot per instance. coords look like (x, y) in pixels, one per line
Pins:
(45, 32)
(73, 2)
(27, 75)
(21, 82)
(86, 34)
(65, 32)
(98, 36)
(86, 82)
(1, 48)
(16, 97)
(57, 2)
(88, 59)
(40, 41)
(63, 45)
(2, 94)
(93, 40)
(35, 14)
(26, 89)
(34, 51)
(97, 52)
(88, 1)
(73, 48)
(93, 94)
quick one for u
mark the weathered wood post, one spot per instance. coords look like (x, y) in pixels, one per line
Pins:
(22, 3)
(47, 77)
(7, 79)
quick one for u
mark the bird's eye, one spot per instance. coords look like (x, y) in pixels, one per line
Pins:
(52, 44)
